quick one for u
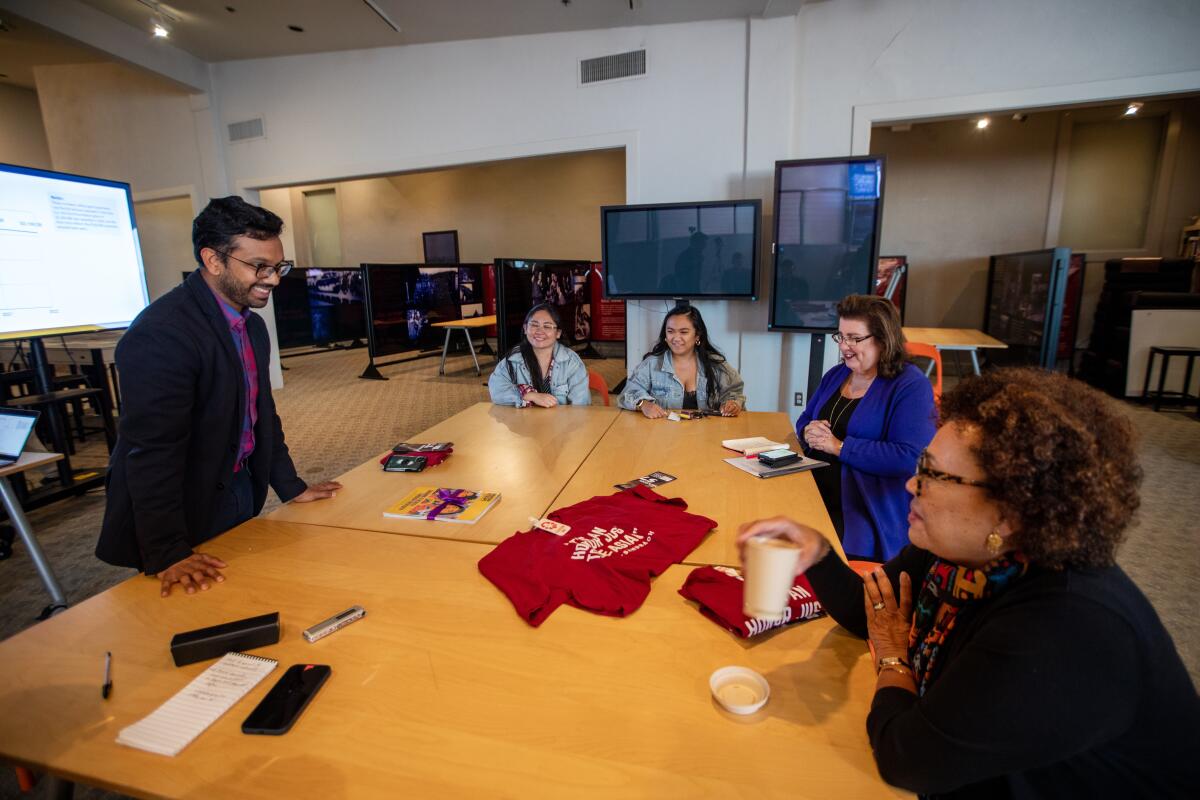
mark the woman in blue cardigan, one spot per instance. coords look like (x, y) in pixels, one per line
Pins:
(869, 419)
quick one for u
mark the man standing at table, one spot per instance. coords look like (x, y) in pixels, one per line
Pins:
(199, 440)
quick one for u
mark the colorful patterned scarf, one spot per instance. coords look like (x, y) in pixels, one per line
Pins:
(947, 590)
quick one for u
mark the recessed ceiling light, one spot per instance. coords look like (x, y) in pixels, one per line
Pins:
(295, 28)
(160, 32)
(1132, 109)
(982, 123)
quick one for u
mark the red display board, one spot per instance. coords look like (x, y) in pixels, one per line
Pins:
(608, 316)
(489, 294)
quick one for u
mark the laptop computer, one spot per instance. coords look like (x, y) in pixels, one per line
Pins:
(15, 426)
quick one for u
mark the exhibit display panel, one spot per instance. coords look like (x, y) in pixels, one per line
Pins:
(403, 302)
(522, 284)
(1024, 305)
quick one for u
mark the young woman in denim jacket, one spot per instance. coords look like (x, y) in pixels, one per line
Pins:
(684, 370)
(540, 371)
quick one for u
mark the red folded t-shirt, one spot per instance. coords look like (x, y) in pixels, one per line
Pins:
(718, 590)
(616, 544)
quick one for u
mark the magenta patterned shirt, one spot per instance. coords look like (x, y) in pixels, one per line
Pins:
(241, 343)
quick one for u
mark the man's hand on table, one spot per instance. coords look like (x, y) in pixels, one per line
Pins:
(318, 491)
(197, 570)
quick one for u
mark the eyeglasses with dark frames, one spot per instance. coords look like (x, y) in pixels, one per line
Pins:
(851, 340)
(262, 271)
(925, 471)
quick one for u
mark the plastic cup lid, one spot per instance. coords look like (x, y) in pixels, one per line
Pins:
(739, 690)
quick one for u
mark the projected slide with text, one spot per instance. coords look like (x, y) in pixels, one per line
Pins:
(69, 253)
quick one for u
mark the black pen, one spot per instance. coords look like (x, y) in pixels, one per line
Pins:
(107, 688)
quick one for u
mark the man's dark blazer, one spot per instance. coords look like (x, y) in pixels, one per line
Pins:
(183, 393)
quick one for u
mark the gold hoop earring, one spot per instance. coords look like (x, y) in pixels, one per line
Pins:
(994, 542)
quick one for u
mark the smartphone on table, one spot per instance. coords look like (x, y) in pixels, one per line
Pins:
(291, 694)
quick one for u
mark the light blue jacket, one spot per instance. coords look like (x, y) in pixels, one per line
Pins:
(654, 379)
(568, 379)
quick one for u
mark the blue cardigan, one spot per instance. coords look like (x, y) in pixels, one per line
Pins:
(892, 424)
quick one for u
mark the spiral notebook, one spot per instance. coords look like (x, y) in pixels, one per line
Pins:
(173, 725)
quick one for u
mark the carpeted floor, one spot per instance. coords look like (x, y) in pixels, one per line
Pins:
(335, 421)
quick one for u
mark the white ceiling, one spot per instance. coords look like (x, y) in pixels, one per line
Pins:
(259, 28)
(24, 45)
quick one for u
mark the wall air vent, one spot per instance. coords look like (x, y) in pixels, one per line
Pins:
(246, 130)
(621, 66)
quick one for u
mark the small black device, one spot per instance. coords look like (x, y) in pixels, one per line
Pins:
(278, 711)
(216, 641)
(778, 458)
(404, 463)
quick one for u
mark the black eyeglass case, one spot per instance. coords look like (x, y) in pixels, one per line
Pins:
(214, 642)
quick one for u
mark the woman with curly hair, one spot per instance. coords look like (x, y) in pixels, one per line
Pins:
(1014, 657)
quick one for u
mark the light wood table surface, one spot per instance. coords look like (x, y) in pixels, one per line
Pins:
(464, 325)
(955, 339)
(691, 451)
(526, 454)
(470, 322)
(441, 690)
(29, 460)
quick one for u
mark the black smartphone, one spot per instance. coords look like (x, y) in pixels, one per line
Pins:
(404, 463)
(281, 707)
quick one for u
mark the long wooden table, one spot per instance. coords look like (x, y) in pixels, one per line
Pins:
(526, 454)
(441, 690)
(691, 451)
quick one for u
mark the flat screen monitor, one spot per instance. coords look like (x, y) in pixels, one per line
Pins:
(684, 250)
(523, 283)
(69, 253)
(827, 217)
(293, 316)
(441, 247)
(1024, 306)
(405, 300)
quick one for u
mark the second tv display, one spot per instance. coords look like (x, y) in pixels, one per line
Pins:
(405, 301)
(827, 219)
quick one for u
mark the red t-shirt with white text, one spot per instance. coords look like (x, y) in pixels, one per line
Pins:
(616, 544)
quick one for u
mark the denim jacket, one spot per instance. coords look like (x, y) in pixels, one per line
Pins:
(654, 379)
(568, 379)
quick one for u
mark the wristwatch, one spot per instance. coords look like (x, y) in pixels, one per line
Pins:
(894, 663)
(638, 405)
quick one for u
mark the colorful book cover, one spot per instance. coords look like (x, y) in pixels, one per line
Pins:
(443, 505)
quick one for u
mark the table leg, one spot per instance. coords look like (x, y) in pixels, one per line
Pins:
(1146, 381)
(1162, 379)
(471, 347)
(445, 347)
(1187, 380)
(974, 359)
(929, 369)
(17, 515)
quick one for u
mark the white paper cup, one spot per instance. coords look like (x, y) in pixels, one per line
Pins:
(739, 690)
(769, 572)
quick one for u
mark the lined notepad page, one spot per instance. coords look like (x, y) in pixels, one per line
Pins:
(173, 725)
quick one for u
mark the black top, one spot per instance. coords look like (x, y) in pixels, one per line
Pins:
(837, 412)
(1065, 685)
(184, 393)
(689, 400)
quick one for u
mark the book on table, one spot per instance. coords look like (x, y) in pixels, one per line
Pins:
(752, 445)
(760, 470)
(443, 505)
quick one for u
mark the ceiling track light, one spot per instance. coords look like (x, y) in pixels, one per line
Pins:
(982, 123)
(161, 31)
(382, 15)
(1132, 109)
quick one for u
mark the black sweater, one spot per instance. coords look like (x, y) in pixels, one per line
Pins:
(1065, 685)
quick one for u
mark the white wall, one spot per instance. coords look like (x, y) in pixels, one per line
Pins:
(22, 135)
(722, 102)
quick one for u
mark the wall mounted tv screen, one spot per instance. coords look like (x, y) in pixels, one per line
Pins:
(69, 253)
(522, 284)
(685, 250)
(1024, 306)
(827, 217)
(405, 300)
